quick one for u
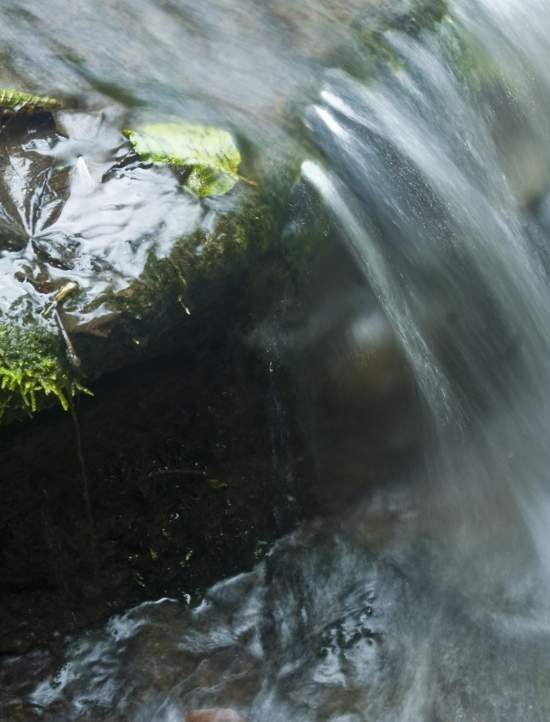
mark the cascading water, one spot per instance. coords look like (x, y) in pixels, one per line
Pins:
(430, 601)
(427, 206)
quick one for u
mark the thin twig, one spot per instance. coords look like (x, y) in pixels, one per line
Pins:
(71, 353)
(247, 181)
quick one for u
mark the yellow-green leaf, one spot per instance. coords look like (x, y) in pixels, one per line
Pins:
(210, 154)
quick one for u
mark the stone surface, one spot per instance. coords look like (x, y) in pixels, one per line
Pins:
(78, 209)
(213, 714)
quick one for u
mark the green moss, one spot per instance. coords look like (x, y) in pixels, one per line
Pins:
(231, 270)
(201, 257)
(370, 52)
(31, 371)
(471, 62)
(15, 101)
(426, 15)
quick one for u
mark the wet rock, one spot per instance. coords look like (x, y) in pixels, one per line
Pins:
(153, 439)
(165, 288)
(141, 254)
(214, 714)
(524, 159)
(77, 206)
(516, 130)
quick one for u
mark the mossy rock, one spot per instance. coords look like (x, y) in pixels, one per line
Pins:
(412, 16)
(424, 15)
(369, 52)
(148, 260)
(471, 62)
(162, 235)
(220, 280)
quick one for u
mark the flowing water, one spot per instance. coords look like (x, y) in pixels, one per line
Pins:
(428, 602)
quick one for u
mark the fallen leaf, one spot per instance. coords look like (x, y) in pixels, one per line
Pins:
(217, 484)
(210, 154)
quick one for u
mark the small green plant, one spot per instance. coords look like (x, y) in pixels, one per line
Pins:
(31, 369)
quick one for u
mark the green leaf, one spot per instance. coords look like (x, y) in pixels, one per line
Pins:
(210, 154)
(18, 102)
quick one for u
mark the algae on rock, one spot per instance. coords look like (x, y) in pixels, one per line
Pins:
(152, 263)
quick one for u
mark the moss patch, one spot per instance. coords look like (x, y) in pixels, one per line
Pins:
(471, 62)
(425, 16)
(16, 101)
(31, 371)
(200, 263)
